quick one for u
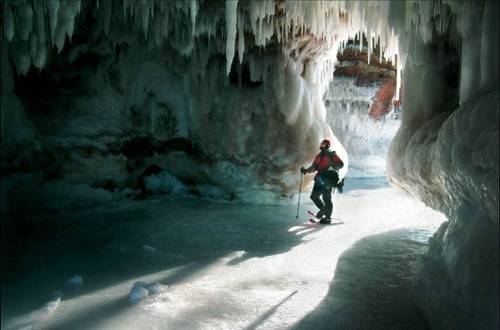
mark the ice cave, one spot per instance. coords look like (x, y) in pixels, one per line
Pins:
(155, 164)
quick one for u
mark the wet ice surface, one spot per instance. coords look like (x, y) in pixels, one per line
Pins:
(224, 265)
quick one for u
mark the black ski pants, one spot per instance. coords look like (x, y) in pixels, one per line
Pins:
(324, 205)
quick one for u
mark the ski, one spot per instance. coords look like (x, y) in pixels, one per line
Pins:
(315, 217)
(312, 213)
(316, 222)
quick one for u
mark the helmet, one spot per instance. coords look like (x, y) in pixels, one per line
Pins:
(325, 143)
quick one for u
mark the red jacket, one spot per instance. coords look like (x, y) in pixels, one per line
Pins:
(325, 160)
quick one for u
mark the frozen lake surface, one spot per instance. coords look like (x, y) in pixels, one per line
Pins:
(222, 265)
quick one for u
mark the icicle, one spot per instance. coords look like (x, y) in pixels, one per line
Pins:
(369, 46)
(254, 16)
(26, 13)
(165, 25)
(41, 56)
(125, 7)
(71, 12)
(398, 78)
(107, 15)
(78, 5)
(157, 29)
(33, 46)
(194, 12)
(231, 15)
(151, 9)
(53, 6)
(145, 20)
(241, 36)
(8, 23)
(40, 20)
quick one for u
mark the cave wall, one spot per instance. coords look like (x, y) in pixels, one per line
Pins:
(446, 154)
(108, 100)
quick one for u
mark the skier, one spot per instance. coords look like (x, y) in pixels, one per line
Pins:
(327, 163)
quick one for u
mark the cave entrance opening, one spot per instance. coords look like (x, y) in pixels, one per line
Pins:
(362, 107)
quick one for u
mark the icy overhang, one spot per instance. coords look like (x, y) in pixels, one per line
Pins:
(305, 35)
(318, 28)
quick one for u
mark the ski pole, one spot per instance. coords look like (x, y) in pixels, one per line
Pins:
(300, 189)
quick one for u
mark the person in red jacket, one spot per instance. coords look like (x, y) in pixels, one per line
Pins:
(327, 164)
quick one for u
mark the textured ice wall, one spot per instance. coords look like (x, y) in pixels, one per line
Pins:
(451, 163)
(446, 153)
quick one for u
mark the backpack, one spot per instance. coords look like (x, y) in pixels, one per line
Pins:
(331, 176)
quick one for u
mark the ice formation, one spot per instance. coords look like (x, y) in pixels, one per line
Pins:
(175, 62)
(141, 290)
(138, 292)
(365, 138)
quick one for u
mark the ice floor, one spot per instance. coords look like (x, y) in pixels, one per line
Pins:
(222, 265)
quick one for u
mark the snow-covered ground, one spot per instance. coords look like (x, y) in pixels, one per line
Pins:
(223, 265)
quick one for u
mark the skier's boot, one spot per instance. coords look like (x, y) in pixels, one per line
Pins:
(325, 221)
(320, 214)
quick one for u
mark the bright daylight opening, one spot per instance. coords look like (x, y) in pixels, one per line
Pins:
(164, 164)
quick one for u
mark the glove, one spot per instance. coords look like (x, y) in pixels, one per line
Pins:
(303, 170)
(340, 186)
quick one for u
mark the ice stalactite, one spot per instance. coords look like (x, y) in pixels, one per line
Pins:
(231, 26)
(293, 19)
(398, 78)
(241, 37)
(331, 22)
(8, 22)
